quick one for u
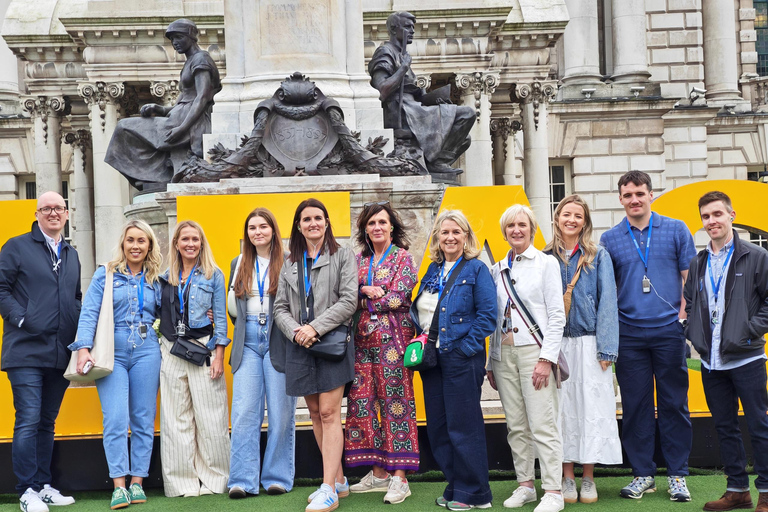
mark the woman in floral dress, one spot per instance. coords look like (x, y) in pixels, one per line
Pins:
(382, 386)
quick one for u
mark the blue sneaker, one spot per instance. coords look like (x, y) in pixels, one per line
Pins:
(637, 487)
(325, 500)
(341, 489)
(678, 491)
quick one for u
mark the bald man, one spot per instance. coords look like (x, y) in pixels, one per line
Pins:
(40, 305)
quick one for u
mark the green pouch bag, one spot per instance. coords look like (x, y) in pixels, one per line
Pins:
(420, 354)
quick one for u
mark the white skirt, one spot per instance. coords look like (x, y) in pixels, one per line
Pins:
(588, 407)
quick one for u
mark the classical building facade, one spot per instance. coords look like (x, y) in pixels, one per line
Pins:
(569, 94)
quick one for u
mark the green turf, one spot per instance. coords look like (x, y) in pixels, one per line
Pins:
(703, 488)
(694, 364)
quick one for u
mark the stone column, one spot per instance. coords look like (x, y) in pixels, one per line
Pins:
(166, 91)
(82, 216)
(110, 188)
(630, 62)
(533, 98)
(581, 53)
(503, 129)
(46, 112)
(477, 89)
(720, 73)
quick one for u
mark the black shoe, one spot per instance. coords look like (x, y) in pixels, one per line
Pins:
(237, 493)
(276, 489)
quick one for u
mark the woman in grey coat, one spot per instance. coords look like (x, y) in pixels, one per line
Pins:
(330, 286)
(257, 381)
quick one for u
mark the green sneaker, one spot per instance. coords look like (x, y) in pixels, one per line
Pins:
(137, 494)
(121, 498)
(441, 502)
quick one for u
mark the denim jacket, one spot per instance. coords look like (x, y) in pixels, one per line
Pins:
(125, 301)
(205, 294)
(594, 307)
(468, 313)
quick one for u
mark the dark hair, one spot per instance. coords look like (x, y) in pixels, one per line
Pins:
(244, 279)
(399, 236)
(298, 244)
(637, 178)
(711, 197)
(395, 21)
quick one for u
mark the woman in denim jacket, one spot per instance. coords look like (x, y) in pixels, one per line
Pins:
(129, 394)
(452, 389)
(588, 425)
(194, 427)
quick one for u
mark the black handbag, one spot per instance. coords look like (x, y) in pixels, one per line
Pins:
(331, 346)
(191, 351)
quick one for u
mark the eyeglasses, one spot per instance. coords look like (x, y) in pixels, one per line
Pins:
(46, 210)
(379, 203)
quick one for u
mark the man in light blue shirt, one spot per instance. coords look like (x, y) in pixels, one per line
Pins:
(726, 297)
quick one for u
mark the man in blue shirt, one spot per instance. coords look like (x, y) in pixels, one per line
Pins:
(651, 254)
(726, 297)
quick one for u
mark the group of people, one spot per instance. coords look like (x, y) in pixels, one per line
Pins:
(322, 323)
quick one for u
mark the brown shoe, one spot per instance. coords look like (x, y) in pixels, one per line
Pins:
(732, 500)
(762, 502)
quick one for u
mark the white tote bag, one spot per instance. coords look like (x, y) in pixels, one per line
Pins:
(103, 351)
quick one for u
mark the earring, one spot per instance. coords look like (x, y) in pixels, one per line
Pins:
(391, 228)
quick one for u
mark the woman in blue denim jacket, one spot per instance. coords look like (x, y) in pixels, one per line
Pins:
(590, 343)
(129, 394)
(194, 428)
(452, 389)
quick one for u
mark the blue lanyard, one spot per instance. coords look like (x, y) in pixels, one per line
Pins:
(261, 282)
(444, 279)
(140, 292)
(370, 264)
(647, 245)
(716, 286)
(183, 290)
(307, 279)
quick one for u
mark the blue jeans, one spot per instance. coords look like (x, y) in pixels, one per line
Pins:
(647, 355)
(129, 399)
(254, 381)
(455, 425)
(724, 389)
(37, 396)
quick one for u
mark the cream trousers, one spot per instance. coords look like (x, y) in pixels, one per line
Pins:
(194, 427)
(532, 417)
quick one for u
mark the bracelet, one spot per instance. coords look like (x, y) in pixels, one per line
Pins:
(542, 360)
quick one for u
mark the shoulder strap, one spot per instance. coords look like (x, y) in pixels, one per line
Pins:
(435, 325)
(303, 314)
(234, 276)
(525, 315)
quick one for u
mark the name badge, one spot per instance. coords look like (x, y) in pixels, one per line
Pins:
(262, 319)
(646, 285)
(142, 331)
(181, 329)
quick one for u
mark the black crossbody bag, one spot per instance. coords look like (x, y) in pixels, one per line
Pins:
(331, 346)
(188, 349)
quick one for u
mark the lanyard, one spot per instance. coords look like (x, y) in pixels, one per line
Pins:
(716, 286)
(647, 245)
(371, 264)
(259, 281)
(307, 277)
(58, 255)
(444, 279)
(139, 292)
(182, 290)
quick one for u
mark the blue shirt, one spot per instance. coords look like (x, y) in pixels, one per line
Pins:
(672, 250)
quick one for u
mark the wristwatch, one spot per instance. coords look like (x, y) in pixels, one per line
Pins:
(683, 322)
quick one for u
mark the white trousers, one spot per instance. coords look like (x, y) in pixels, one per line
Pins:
(194, 426)
(532, 417)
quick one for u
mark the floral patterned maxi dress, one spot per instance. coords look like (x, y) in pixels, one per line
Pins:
(381, 413)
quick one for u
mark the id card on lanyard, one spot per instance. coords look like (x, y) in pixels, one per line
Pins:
(261, 283)
(142, 329)
(181, 329)
(307, 277)
(371, 266)
(716, 285)
(646, 281)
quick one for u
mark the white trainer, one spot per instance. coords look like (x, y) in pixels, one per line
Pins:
(570, 495)
(550, 502)
(398, 491)
(520, 497)
(588, 491)
(371, 483)
(30, 502)
(51, 496)
(324, 501)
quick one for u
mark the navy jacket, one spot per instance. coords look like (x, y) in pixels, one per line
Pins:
(49, 302)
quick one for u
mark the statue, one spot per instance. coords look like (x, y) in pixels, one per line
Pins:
(424, 123)
(297, 132)
(153, 147)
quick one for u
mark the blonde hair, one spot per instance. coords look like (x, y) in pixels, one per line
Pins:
(557, 245)
(152, 263)
(204, 260)
(471, 249)
(511, 213)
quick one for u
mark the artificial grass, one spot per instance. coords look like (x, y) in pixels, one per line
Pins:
(703, 488)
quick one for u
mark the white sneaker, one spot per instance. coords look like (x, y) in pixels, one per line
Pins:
(51, 496)
(588, 491)
(342, 490)
(371, 483)
(550, 502)
(397, 492)
(520, 497)
(324, 501)
(30, 502)
(570, 495)
(204, 491)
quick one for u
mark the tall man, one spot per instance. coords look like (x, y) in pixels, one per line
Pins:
(651, 254)
(40, 305)
(726, 297)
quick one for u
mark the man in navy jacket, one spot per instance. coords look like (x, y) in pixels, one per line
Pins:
(40, 305)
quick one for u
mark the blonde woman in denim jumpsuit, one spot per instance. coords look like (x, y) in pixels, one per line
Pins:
(129, 394)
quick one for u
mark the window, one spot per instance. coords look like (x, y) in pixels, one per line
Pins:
(761, 27)
(559, 183)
